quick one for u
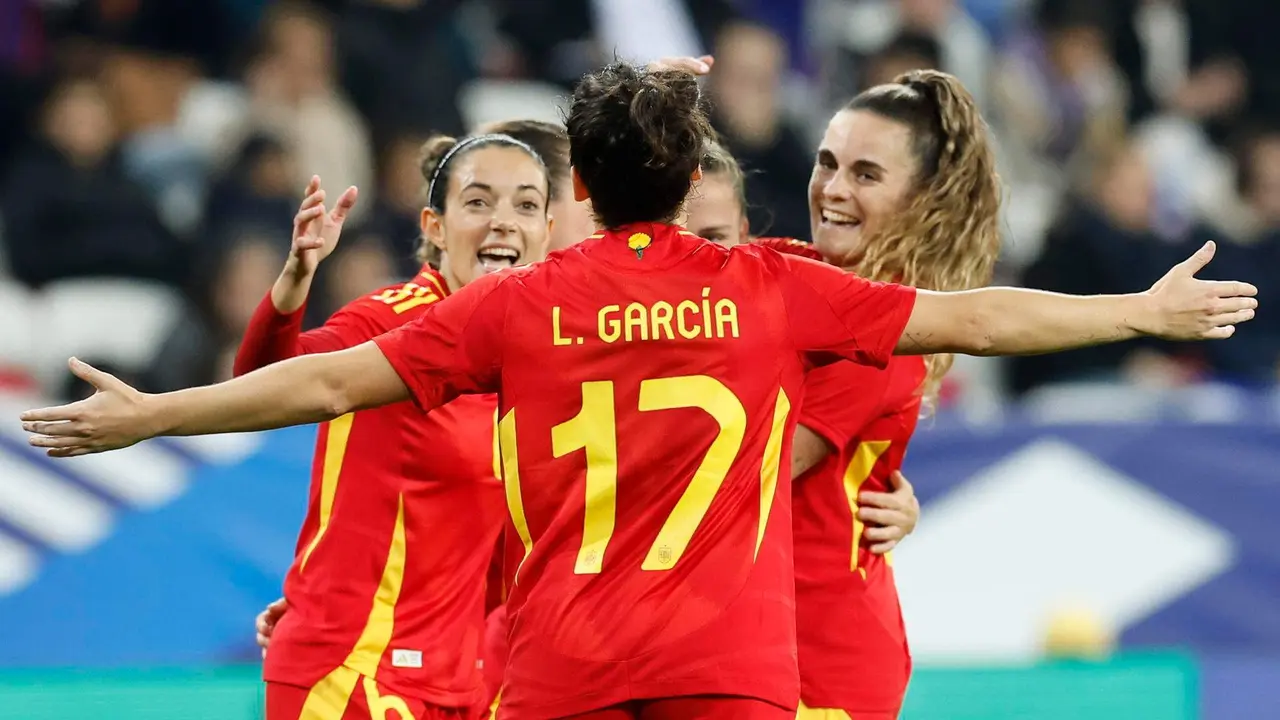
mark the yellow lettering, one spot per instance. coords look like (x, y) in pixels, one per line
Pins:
(660, 313)
(688, 329)
(726, 316)
(556, 338)
(706, 312)
(610, 328)
(635, 317)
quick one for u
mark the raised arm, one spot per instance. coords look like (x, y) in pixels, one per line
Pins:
(308, 389)
(275, 330)
(1012, 321)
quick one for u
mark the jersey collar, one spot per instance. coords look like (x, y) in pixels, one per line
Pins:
(644, 246)
(430, 277)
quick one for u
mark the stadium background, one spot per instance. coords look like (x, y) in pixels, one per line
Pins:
(152, 152)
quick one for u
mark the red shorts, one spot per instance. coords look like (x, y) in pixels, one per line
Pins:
(345, 694)
(704, 707)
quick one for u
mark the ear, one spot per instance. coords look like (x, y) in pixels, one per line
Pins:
(579, 189)
(432, 226)
(744, 229)
(697, 175)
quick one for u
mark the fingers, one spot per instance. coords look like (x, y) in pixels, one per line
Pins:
(1219, 333)
(889, 501)
(1196, 262)
(884, 547)
(58, 442)
(59, 413)
(898, 482)
(306, 215)
(312, 185)
(346, 201)
(695, 65)
(1229, 305)
(883, 519)
(313, 199)
(92, 375)
(1230, 288)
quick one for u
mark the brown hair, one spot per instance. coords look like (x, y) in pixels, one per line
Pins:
(636, 136)
(717, 160)
(548, 139)
(948, 236)
(438, 155)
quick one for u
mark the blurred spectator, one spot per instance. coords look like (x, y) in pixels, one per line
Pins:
(294, 95)
(1062, 101)
(1253, 355)
(404, 59)
(908, 51)
(257, 194)
(1106, 243)
(201, 348)
(393, 222)
(1234, 64)
(71, 211)
(559, 40)
(746, 109)
(860, 29)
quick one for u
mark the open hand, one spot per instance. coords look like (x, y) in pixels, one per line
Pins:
(265, 624)
(1184, 308)
(114, 417)
(889, 517)
(316, 229)
(695, 65)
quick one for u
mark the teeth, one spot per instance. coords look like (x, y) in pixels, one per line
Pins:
(501, 253)
(838, 217)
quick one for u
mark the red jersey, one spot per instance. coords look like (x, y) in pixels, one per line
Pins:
(646, 379)
(404, 511)
(853, 647)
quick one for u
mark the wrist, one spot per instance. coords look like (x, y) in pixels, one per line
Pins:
(289, 293)
(1140, 314)
(156, 415)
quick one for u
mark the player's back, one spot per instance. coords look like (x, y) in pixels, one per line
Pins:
(389, 574)
(648, 419)
(852, 643)
(646, 379)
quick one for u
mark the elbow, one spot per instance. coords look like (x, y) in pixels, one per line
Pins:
(335, 399)
(978, 332)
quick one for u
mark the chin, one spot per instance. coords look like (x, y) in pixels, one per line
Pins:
(838, 247)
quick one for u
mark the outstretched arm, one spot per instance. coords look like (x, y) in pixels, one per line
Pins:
(308, 389)
(1012, 321)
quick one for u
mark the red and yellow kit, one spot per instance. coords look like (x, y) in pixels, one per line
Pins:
(404, 512)
(853, 647)
(647, 380)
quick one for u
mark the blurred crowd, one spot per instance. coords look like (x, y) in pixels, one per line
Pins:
(168, 142)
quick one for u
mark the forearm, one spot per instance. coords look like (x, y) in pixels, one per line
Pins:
(1014, 321)
(291, 289)
(270, 337)
(295, 392)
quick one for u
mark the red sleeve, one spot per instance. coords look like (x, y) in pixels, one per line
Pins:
(454, 347)
(838, 315)
(841, 399)
(273, 336)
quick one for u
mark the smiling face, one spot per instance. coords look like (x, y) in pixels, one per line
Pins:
(714, 211)
(864, 172)
(495, 217)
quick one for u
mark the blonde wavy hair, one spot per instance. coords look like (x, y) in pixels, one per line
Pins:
(947, 236)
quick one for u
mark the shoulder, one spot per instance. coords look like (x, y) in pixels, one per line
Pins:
(396, 304)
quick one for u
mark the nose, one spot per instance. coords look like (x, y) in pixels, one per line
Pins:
(837, 187)
(503, 220)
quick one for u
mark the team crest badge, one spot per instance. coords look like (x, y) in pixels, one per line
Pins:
(639, 242)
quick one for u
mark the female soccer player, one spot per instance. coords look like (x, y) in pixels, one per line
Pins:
(386, 594)
(717, 207)
(644, 380)
(904, 190)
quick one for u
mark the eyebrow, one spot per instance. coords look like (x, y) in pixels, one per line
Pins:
(861, 165)
(713, 228)
(489, 188)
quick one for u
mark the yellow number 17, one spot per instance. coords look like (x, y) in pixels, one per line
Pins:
(594, 430)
